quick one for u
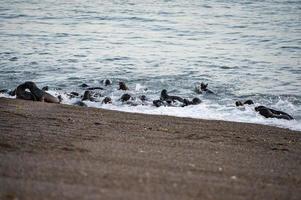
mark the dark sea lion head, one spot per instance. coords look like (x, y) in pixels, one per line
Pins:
(196, 101)
(186, 102)
(106, 100)
(204, 86)
(249, 102)
(122, 86)
(164, 94)
(87, 95)
(107, 82)
(142, 98)
(30, 85)
(239, 103)
(158, 103)
(125, 97)
(258, 108)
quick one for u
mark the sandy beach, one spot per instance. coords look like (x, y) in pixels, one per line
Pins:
(52, 151)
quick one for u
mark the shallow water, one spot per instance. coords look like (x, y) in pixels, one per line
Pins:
(243, 49)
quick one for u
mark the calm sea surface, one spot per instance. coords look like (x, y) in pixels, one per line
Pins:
(242, 49)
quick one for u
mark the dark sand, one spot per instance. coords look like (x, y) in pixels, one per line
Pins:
(51, 151)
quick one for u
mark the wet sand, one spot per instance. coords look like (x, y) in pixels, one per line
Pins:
(51, 151)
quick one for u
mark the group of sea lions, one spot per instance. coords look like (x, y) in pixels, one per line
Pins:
(267, 112)
(30, 91)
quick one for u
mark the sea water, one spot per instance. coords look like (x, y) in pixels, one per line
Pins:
(242, 49)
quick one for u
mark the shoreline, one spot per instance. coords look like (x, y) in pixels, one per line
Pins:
(51, 151)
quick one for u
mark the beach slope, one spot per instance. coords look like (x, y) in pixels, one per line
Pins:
(52, 151)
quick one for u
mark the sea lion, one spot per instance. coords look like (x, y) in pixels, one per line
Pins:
(106, 82)
(158, 103)
(40, 94)
(122, 86)
(165, 97)
(195, 101)
(248, 102)
(202, 88)
(21, 92)
(125, 97)
(271, 113)
(142, 98)
(88, 96)
(106, 100)
(74, 93)
(35, 93)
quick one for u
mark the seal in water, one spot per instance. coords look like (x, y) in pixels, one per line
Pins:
(142, 98)
(202, 88)
(248, 102)
(195, 101)
(125, 97)
(106, 100)
(159, 103)
(122, 86)
(165, 97)
(106, 82)
(271, 113)
(88, 96)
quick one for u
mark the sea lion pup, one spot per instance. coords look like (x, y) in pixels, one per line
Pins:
(122, 86)
(88, 96)
(202, 88)
(165, 97)
(159, 103)
(271, 113)
(106, 82)
(142, 98)
(125, 97)
(106, 100)
(195, 101)
(248, 102)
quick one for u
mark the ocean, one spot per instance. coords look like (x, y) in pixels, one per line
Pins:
(242, 49)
